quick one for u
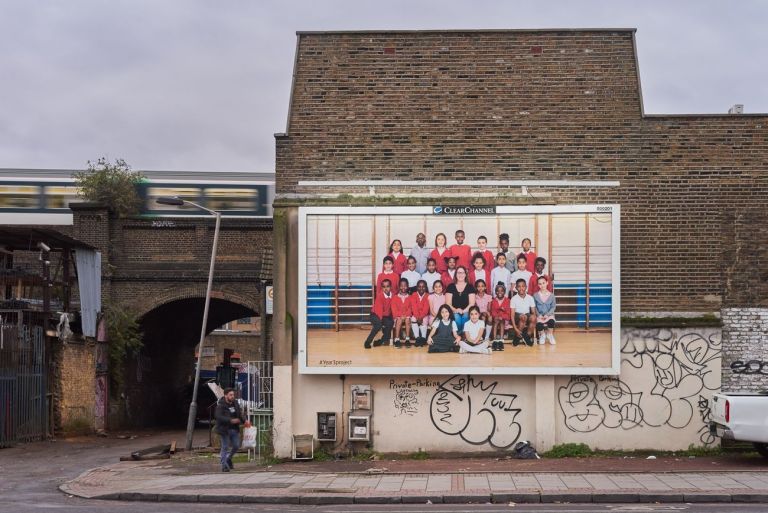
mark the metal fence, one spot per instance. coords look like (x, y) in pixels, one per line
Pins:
(260, 405)
(23, 408)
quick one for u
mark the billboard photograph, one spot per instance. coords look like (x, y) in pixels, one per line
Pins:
(459, 289)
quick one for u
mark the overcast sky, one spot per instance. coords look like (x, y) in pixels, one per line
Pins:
(203, 84)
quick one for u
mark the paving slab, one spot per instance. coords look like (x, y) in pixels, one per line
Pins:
(156, 483)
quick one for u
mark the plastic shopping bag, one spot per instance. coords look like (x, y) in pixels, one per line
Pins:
(249, 436)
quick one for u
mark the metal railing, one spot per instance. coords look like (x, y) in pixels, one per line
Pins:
(23, 398)
(259, 400)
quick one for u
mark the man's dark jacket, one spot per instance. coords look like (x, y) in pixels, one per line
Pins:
(225, 412)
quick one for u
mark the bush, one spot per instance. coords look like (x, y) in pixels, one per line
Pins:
(569, 451)
(113, 185)
(124, 337)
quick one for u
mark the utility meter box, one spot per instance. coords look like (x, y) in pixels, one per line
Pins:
(303, 447)
(361, 397)
(326, 426)
(359, 428)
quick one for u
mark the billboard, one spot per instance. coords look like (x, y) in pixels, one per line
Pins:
(459, 289)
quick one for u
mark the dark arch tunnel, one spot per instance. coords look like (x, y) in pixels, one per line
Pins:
(159, 383)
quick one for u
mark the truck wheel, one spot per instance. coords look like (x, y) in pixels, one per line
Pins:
(762, 449)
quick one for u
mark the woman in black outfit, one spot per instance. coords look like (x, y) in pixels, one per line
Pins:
(460, 297)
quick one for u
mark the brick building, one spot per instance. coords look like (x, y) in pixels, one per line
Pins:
(562, 111)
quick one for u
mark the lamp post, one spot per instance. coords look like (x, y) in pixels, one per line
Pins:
(193, 405)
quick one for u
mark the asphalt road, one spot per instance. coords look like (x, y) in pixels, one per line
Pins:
(30, 475)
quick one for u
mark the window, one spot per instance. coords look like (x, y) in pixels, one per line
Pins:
(231, 199)
(19, 196)
(60, 196)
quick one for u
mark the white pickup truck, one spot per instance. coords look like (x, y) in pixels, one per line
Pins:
(741, 417)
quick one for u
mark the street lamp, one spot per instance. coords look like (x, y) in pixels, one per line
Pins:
(176, 201)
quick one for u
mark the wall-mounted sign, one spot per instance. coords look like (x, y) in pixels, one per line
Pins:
(270, 298)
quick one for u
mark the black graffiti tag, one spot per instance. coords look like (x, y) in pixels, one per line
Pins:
(749, 367)
(476, 412)
(679, 372)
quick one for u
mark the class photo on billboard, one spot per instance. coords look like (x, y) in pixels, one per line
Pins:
(459, 289)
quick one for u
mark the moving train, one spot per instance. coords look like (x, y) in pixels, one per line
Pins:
(42, 196)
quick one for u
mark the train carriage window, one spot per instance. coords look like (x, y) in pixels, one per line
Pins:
(19, 196)
(60, 196)
(185, 193)
(231, 199)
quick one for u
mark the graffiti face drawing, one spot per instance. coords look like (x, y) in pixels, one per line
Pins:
(579, 404)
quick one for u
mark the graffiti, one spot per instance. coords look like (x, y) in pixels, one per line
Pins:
(750, 367)
(477, 412)
(705, 413)
(677, 373)
(406, 401)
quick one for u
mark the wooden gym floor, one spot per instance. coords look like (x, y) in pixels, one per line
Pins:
(575, 348)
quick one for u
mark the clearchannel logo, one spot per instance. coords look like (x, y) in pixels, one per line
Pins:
(463, 210)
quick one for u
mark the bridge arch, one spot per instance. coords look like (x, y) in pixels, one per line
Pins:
(159, 381)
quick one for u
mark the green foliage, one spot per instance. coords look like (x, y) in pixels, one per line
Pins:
(568, 451)
(124, 338)
(419, 455)
(111, 184)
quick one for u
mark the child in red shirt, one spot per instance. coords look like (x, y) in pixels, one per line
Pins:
(533, 284)
(387, 273)
(401, 313)
(529, 255)
(381, 316)
(500, 311)
(400, 263)
(450, 273)
(420, 313)
(479, 271)
(482, 248)
(441, 252)
(461, 251)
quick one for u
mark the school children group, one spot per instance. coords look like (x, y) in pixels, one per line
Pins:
(456, 299)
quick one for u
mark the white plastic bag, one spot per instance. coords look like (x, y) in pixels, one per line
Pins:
(249, 436)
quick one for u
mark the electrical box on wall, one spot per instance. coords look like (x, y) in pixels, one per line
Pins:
(303, 447)
(362, 397)
(326, 426)
(359, 428)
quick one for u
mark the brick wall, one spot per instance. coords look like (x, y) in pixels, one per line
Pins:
(519, 105)
(745, 361)
(247, 344)
(77, 371)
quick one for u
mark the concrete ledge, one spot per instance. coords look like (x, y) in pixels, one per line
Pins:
(615, 497)
(229, 498)
(467, 498)
(177, 497)
(422, 499)
(378, 499)
(749, 497)
(552, 497)
(707, 497)
(321, 500)
(661, 497)
(138, 496)
(271, 499)
(522, 498)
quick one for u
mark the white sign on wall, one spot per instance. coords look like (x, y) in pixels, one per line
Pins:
(270, 298)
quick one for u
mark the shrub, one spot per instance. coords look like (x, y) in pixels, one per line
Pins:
(568, 451)
(113, 185)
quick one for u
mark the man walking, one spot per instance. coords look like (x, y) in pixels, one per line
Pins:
(228, 419)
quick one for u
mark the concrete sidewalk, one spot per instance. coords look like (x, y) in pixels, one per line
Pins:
(158, 481)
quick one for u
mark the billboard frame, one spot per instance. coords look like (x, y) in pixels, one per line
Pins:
(613, 370)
